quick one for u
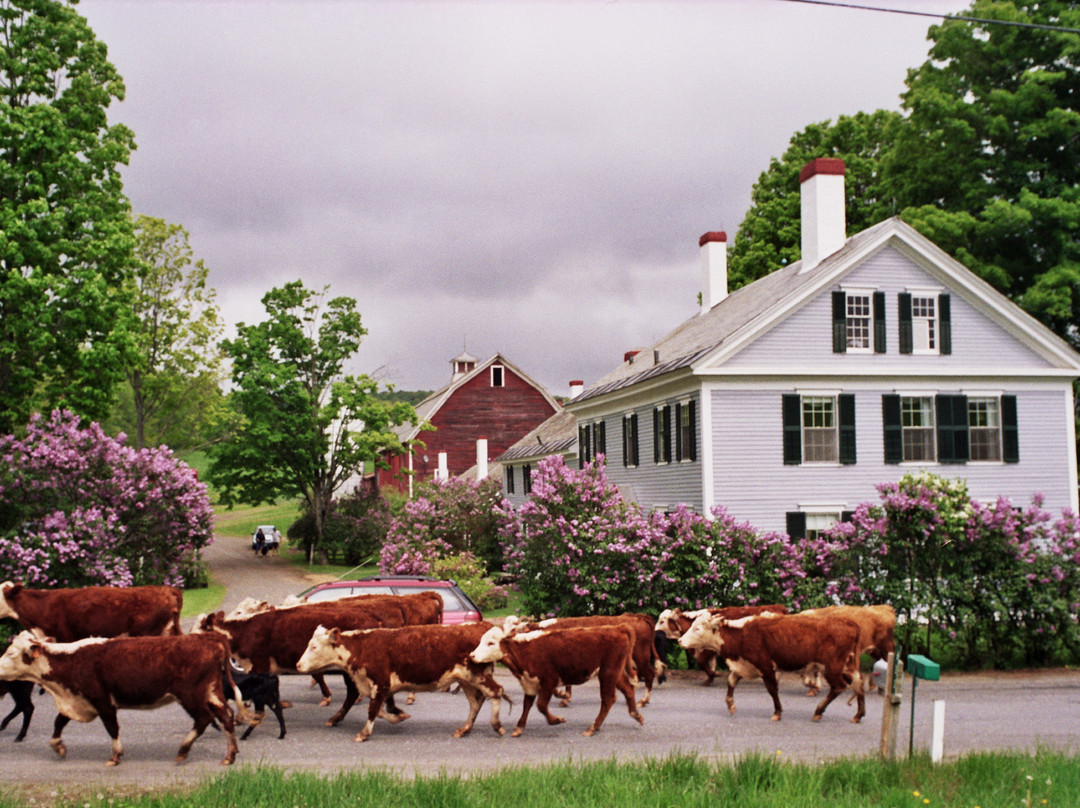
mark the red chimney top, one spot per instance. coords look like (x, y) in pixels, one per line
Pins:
(712, 235)
(821, 165)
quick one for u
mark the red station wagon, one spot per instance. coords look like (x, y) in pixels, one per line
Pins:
(457, 607)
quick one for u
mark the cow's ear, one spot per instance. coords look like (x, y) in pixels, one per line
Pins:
(335, 635)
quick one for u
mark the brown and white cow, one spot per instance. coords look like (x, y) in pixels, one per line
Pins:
(876, 628)
(67, 615)
(384, 661)
(541, 660)
(273, 641)
(644, 655)
(96, 677)
(675, 622)
(762, 646)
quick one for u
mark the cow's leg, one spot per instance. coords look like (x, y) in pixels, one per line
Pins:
(320, 681)
(275, 705)
(392, 712)
(58, 727)
(203, 711)
(108, 718)
(543, 699)
(526, 705)
(564, 696)
(24, 706)
(475, 702)
(376, 699)
(729, 700)
(627, 689)
(769, 677)
(351, 695)
(706, 660)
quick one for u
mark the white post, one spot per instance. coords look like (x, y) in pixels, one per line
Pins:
(937, 745)
(481, 459)
(443, 473)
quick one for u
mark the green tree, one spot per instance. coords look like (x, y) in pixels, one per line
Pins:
(65, 229)
(988, 161)
(175, 371)
(303, 427)
(768, 237)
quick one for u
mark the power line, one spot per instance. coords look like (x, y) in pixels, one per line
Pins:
(947, 17)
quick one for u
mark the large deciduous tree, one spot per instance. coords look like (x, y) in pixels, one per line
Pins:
(65, 228)
(175, 371)
(303, 426)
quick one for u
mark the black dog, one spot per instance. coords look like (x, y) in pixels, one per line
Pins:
(20, 692)
(262, 690)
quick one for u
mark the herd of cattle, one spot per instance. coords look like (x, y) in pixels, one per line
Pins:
(102, 648)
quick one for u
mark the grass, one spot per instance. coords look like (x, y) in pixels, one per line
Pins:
(243, 520)
(986, 780)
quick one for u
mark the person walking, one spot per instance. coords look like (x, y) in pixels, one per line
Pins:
(260, 543)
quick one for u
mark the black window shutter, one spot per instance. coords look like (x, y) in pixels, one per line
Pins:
(1010, 434)
(600, 436)
(583, 446)
(847, 516)
(952, 428)
(894, 431)
(839, 322)
(792, 412)
(796, 524)
(846, 406)
(633, 440)
(625, 441)
(657, 437)
(678, 432)
(945, 321)
(691, 452)
(879, 322)
(903, 316)
(666, 426)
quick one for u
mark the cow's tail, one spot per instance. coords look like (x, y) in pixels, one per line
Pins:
(243, 714)
(658, 664)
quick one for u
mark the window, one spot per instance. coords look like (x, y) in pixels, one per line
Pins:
(526, 479)
(585, 445)
(810, 524)
(925, 323)
(599, 439)
(686, 431)
(819, 428)
(509, 479)
(984, 428)
(858, 321)
(662, 434)
(497, 375)
(917, 421)
(630, 439)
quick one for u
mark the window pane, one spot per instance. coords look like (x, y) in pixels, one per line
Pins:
(858, 321)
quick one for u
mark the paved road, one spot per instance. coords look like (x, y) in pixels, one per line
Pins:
(983, 711)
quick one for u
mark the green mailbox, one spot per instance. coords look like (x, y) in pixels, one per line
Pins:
(923, 668)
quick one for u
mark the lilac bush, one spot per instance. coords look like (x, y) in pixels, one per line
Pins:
(79, 508)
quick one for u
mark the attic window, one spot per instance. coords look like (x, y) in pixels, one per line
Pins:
(496, 375)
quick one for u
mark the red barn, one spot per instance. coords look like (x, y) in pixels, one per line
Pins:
(490, 400)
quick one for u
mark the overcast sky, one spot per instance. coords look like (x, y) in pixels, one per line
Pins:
(527, 178)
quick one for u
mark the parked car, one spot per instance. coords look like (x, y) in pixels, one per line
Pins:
(272, 535)
(457, 606)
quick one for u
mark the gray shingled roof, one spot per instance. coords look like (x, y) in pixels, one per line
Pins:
(554, 436)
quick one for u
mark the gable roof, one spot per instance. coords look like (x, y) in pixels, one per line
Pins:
(707, 338)
(427, 408)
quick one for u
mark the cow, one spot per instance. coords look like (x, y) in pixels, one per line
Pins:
(383, 661)
(674, 623)
(67, 615)
(541, 659)
(644, 654)
(876, 625)
(273, 641)
(20, 694)
(95, 677)
(762, 646)
(262, 690)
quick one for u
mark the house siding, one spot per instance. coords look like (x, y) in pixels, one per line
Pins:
(751, 481)
(891, 272)
(649, 484)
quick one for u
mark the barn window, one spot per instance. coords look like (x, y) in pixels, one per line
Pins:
(497, 375)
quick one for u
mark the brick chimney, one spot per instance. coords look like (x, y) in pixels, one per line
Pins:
(713, 269)
(824, 223)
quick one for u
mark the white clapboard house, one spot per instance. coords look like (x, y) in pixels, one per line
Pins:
(789, 399)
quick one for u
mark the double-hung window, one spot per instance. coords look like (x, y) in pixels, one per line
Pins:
(686, 430)
(819, 427)
(925, 321)
(950, 428)
(858, 321)
(917, 423)
(662, 434)
(526, 479)
(509, 479)
(992, 428)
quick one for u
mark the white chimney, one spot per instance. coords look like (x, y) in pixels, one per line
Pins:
(481, 459)
(713, 269)
(442, 473)
(576, 386)
(824, 226)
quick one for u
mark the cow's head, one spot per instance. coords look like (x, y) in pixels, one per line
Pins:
(668, 623)
(207, 622)
(323, 651)
(704, 632)
(490, 648)
(8, 589)
(24, 658)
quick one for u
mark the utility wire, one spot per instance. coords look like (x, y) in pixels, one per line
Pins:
(957, 17)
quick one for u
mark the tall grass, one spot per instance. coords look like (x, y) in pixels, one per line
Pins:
(988, 780)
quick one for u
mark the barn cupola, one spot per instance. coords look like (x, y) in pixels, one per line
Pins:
(824, 222)
(463, 364)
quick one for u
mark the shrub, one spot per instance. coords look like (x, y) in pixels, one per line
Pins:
(79, 508)
(469, 573)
